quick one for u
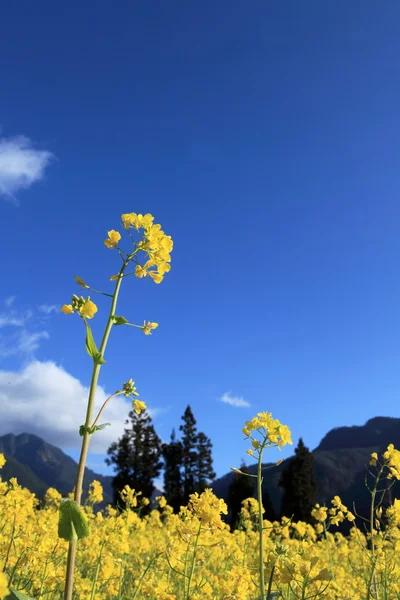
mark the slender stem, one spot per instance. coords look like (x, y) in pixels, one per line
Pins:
(96, 576)
(271, 578)
(193, 561)
(260, 524)
(143, 575)
(11, 541)
(69, 577)
(103, 407)
(372, 581)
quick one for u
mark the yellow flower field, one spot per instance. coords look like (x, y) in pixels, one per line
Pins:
(162, 556)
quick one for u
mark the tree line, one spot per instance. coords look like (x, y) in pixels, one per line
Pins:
(139, 456)
(186, 461)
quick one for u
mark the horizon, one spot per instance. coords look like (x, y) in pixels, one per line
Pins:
(264, 139)
(159, 481)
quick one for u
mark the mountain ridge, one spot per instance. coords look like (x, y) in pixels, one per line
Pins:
(340, 460)
(39, 465)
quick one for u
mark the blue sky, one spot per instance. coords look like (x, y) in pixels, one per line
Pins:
(264, 138)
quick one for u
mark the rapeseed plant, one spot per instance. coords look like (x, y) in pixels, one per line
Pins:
(150, 255)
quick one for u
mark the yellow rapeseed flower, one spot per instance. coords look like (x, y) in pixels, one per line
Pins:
(67, 309)
(113, 239)
(4, 591)
(2, 460)
(88, 309)
(139, 406)
(148, 326)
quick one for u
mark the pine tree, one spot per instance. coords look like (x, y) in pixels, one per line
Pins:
(172, 454)
(241, 488)
(189, 453)
(299, 485)
(204, 473)
(136, 456)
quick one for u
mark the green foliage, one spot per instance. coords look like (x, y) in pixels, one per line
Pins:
(120, 320)
(72, 524)
(172, 455)
(91, 430)
(189, 454)
(299, 484)
(91, 347)
(197, 462)
(14, 595)
(136, 456)
(203, 472)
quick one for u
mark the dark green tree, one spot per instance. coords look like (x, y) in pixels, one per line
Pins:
(136, 456)
(172, 454)
(204, 472)
(189, 453)
(299, 485)
(240, 488)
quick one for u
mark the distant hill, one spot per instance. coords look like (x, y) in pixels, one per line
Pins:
(38, 465)
(340, 461)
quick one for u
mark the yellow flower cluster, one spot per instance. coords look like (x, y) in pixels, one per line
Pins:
(272, 432)
(207, 508)
(334, 515)
(152, 557)
(83, 306)
(155, 243)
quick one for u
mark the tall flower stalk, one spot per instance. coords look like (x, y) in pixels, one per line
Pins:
(156, 248)
(264, 432)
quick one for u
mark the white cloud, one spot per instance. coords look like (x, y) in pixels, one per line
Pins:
(47, 309)
(17, 336)
(9, 301)
(45, 400)
(236, 401)
(10, 320)
(156, 412)
(21, 164)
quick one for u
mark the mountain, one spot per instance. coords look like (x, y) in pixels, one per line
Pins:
(339, 461)
(38, 465)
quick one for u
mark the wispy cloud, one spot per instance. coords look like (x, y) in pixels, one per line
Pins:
(46, 400)
(47, 309)
(21, 164)
(236, 401)
(9, 301)
(20, 334)
(156, 412)
(9, 320)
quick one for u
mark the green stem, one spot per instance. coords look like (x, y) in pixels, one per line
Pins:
(372, 581)
(143, 575)
(96, 576)
(11, 542)
(193, 561)
(69, 577)
(260, 524)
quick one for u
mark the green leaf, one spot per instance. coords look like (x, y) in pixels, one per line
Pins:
(14, 595)
(72, 524)
(98, 359)
(120, 320)
(273, 596)
(91, 347)
(91, 430)
(101, 426)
